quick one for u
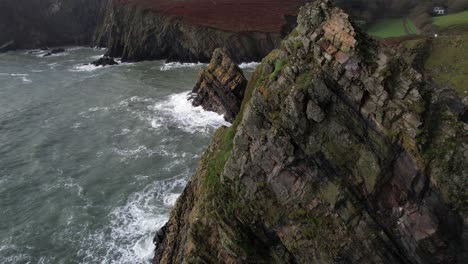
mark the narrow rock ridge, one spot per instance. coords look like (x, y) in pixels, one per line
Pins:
(220, 87)
(342, 152)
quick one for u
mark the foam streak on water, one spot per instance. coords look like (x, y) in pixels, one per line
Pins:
(177, 65)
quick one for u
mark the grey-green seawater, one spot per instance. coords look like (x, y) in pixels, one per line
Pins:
(92, 159)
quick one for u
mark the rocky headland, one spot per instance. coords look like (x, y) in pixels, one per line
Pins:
(344, 151)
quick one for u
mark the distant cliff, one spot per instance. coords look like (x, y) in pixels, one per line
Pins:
(344, 152)
(36, 23)
(191, 30)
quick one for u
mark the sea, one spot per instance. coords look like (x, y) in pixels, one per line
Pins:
(92, 159)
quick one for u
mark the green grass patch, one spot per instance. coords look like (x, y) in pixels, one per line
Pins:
(451, 20)
(448, 62)
(386, 28)
(411, 27)
(279, 65)
(393, 27)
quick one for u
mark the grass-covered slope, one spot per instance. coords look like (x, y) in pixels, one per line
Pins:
(452, 19)
(448, 62)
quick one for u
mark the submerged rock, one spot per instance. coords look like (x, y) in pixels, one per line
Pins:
(221, 86)
(344, 153)
(54, 51)
(104, 61)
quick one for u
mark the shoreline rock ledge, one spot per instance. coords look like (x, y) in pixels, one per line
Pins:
(220, 87)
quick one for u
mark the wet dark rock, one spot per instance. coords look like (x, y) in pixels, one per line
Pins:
(220, 87)
(104, 61)
(160, 235)
(54, 51)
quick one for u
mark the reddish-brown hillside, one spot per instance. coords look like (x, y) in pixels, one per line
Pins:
(230, 15)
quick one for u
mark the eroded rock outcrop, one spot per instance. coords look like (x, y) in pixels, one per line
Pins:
(220, 87)
(343, 152)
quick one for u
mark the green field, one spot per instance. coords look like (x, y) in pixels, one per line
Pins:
(452, 20)
(394, 27)
(448, 62)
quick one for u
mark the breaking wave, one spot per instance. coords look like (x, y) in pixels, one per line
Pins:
(178, 111)
(249, 65)
(177, 65)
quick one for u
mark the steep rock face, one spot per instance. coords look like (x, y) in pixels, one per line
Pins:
(173, 30)
(220, 87)
(342, 153)
(38, 23)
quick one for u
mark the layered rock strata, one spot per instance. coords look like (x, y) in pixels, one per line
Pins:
(343, 152)
(220, 87)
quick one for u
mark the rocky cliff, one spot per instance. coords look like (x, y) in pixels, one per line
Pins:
(190, 30)
(343, 152)
(220, 87)
(37, 23)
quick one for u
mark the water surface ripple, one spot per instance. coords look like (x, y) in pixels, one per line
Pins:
(92, 159)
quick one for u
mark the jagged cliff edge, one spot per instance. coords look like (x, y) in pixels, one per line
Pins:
(342, 153)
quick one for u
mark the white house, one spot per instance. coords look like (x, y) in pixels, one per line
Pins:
(438, 10)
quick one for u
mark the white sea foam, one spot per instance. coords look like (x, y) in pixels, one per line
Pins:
(171, 199)
(96, 109)
(26, 80)
(77, 125)
(63, 183)
(85, 68)
(177, 65)
(96, 57)
(133, 225)
(144, 152)
(178, 111)
(76, 48)
(249, 65)
(19, 74)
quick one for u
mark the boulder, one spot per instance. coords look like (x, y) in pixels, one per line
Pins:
(104, 61)
(220, 87)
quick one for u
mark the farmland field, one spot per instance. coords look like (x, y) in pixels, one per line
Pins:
(452, 20)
